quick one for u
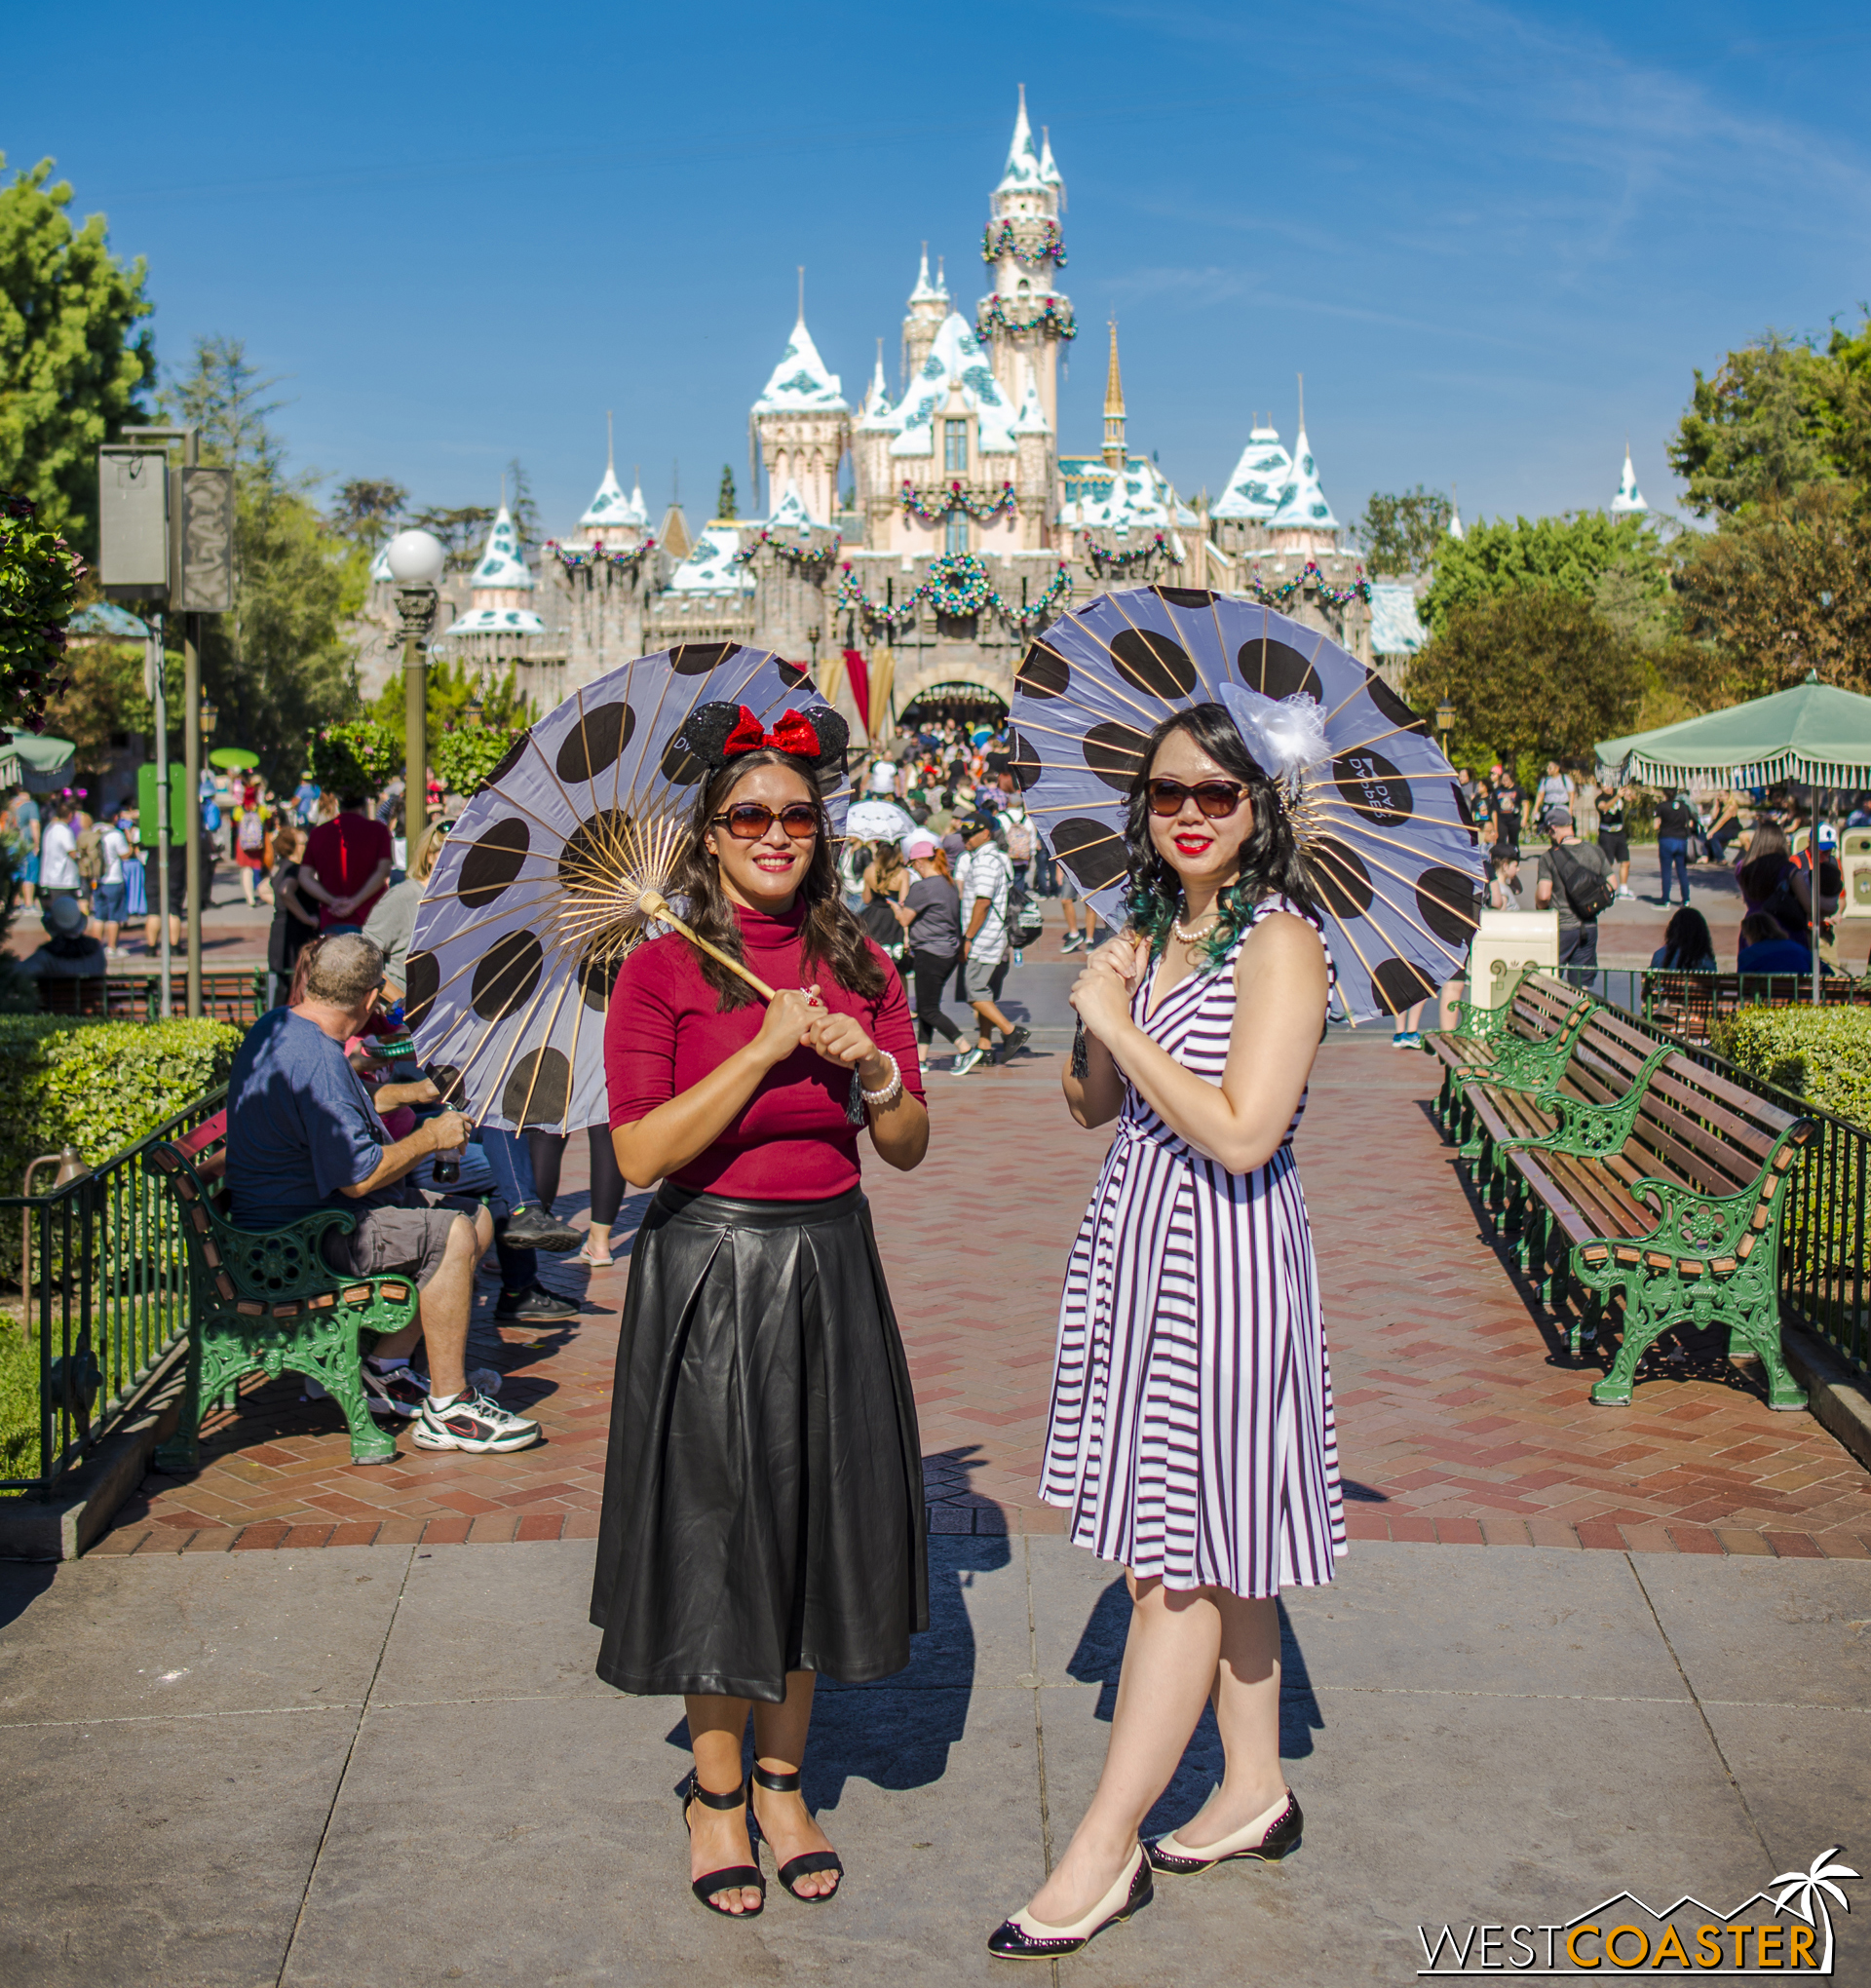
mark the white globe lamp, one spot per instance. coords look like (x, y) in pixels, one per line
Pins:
(415, 558)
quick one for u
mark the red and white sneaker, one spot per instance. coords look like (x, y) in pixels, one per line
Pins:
(471, 1421)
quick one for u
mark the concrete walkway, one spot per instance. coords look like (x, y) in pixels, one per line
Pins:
(394, 1764)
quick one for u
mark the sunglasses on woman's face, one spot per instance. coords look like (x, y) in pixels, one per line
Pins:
(749, 821)
(1217, 798)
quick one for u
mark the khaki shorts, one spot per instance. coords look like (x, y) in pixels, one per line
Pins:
(982, 979)
(407, 1241)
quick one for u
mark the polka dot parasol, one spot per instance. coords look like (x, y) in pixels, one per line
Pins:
(541, 887)
(1381, 827)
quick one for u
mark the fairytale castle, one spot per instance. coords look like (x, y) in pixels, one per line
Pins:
(966, 527)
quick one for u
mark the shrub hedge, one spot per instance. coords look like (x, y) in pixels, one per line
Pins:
(98, 1085)
(1823, 1054)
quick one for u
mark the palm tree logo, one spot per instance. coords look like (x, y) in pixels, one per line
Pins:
(1814, 1887)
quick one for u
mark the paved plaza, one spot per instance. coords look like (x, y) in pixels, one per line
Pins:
(294, 1721)
(1462, 1416)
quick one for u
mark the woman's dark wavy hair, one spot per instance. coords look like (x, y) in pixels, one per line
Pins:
(1270, 860)
(832, 939)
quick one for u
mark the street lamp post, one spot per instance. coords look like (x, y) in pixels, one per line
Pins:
(210, 716)
(1445, 723)
(415, 560)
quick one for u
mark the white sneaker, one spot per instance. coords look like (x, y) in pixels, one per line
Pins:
(471, 1423)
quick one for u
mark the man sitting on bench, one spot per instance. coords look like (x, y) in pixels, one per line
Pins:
(303, 1134)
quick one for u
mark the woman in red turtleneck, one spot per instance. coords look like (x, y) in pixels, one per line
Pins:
(763, 1509)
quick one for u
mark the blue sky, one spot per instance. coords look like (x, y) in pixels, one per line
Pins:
(1494, 237)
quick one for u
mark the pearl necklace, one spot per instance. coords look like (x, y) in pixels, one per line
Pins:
(1190, 938)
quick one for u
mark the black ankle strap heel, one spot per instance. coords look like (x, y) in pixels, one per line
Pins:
(734, 1877)
(814, 1862)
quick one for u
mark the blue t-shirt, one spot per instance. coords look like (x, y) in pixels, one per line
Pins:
(1774, 956)
(300, 1126)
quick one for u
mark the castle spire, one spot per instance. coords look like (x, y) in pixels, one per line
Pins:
(1023, 168)
(1629, 499)
(1114, 444)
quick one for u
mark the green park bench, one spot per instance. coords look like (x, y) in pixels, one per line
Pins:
(1528, 1045)
(267, 1302)
(1680, 1216)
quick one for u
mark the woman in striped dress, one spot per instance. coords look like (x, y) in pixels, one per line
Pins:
(1191, 1433)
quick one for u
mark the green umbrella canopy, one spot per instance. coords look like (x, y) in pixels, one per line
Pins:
(236, 758)
(34, 761)
(1814, 734)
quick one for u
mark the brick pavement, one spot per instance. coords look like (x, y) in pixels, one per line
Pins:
(1462, 1418)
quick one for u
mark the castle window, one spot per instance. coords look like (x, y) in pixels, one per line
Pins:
(955, 446)
(955, 536)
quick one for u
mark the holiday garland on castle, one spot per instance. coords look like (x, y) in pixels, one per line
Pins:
(1006, 240)
(980, 505)
(1048, 313)
(575, 558)
(1103, 560)
(796, 554)
(1310, 578)
(957, 586)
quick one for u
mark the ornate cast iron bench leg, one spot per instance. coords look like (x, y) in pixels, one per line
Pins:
(1711, 1260)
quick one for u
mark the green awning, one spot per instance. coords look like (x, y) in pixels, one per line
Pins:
(34, 761)
(1814, 734)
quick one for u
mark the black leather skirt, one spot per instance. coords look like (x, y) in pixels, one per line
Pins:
(763, 1492)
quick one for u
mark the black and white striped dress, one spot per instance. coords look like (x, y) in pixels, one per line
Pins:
(1191, 1433)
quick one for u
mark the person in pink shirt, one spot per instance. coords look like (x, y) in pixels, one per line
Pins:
(763, 1511)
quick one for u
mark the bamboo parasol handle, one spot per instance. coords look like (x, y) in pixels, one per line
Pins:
(654, 904)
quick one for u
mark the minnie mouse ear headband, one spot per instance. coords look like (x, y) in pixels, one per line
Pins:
(717, 733)
(1285, 735)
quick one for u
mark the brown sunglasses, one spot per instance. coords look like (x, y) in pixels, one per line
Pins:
(1217, 798)
(748, 821)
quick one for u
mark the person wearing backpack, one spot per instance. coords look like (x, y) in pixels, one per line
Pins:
(251, 839)
(1574, 878)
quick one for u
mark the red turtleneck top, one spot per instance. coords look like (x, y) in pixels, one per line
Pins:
(791, 1142)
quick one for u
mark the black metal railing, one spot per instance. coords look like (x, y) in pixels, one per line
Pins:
(103, 1299)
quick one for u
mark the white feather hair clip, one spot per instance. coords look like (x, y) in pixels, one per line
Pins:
(1285, 735)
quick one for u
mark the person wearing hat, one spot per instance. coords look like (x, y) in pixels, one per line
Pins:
(986, 878)
(69, 953)
(1563, 875)
(932, 914)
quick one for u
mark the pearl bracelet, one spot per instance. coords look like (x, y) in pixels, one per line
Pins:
(887, 1095)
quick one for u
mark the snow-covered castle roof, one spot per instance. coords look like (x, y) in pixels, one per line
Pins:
(1628, 498)
(1253, 490)
(501, 564)
(1031, 418)
(1302, 505)
(709, 567)
(927, 292)
(1139, 499)
(957, 359)
(1025, 170)
(800, 382)
(611, 507)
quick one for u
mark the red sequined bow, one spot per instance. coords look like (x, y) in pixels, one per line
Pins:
(796, 733)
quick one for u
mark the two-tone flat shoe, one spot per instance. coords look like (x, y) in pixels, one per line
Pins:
(1267, 1838)
(1026, 1939)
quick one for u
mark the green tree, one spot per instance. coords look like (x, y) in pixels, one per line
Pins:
(1777, 415)
(278, 666)
(365, 512)
(1570, 555)
(1783, 589)
(462, 531)
(39, 579)
(1534, 674)
(1399, 533)
(451, 686)
(726, 504)
(74, 356)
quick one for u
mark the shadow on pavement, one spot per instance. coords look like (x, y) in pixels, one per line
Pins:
(1100, 1659)
(21, 1584)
